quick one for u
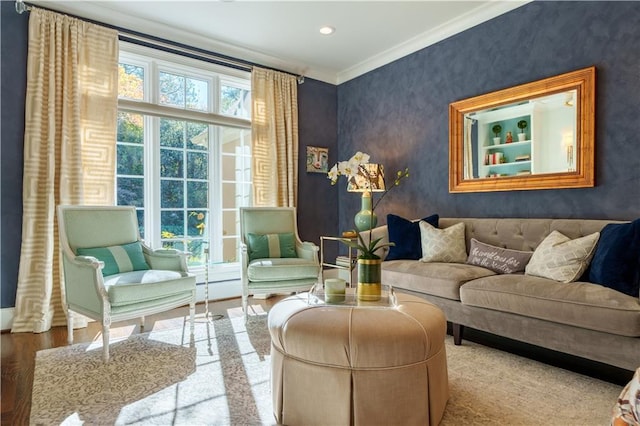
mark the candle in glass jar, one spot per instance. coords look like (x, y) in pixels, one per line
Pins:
(334, 289)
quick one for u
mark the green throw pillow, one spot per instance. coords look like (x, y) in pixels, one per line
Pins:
(263, 246)
(117, 259)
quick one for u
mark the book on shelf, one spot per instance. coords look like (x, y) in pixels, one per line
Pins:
(525, 157)
(344, 261)
(494, 158)
(523, 172)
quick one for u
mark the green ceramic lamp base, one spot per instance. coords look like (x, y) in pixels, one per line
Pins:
(365, 219)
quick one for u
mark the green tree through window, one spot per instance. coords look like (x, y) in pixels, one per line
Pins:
(185, 177)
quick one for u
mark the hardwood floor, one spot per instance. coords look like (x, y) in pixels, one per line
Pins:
(18, 350)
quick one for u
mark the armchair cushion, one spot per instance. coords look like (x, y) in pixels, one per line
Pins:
(263, 246)
(117, 259)
(282, 269)
(139, 286)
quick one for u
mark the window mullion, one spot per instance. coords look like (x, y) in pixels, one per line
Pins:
(215, 190)
(164, 111)
(152, 175)
(152, 180)
(185, 188)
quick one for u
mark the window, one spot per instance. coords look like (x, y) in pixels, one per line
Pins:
(184, 157)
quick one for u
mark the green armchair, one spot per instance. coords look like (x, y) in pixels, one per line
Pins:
(273, 258)
(110, 275)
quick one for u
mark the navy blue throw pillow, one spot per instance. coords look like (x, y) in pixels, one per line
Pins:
(616, 262)
(406, 236)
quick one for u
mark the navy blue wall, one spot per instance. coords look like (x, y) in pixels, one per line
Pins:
(317, 116)
(399, 112)
(13, 62)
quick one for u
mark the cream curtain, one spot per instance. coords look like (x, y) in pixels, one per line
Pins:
(69, 149)
(274, 130)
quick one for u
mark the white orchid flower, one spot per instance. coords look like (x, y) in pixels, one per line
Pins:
(333, 174)
(344, 168)
(353, 168)
(360, 158)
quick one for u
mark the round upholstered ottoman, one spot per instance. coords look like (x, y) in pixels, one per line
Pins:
(339, 365)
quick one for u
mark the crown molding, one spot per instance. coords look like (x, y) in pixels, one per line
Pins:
(470, 19)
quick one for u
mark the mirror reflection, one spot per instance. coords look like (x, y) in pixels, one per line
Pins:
(523, 138)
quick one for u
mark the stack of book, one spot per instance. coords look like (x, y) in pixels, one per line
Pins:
(494, 158)
(344, 262)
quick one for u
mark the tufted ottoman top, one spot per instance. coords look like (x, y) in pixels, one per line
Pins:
(358, 337)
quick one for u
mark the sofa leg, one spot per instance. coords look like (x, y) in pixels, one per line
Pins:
(458, 329)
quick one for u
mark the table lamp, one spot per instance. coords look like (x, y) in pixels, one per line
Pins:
(370, 178)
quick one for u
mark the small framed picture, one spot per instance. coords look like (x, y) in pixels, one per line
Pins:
(317, 159)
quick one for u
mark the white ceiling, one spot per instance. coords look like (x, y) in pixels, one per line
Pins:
(285, 34)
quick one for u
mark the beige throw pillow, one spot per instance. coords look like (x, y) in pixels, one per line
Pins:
(443, 245)
(560, 258)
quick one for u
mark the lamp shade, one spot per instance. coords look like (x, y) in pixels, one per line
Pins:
(370, 177)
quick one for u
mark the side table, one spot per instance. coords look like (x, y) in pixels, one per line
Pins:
(341, 263)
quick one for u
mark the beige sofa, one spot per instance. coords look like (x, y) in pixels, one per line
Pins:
(579, 318)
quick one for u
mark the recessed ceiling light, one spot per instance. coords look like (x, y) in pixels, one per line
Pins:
(327, 30)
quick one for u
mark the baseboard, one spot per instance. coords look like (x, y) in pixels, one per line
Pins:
(6, 318)
(219, 290)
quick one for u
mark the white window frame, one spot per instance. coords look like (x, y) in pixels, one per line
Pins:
(153, 61)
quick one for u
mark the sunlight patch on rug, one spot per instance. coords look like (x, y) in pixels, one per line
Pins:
(150, 378)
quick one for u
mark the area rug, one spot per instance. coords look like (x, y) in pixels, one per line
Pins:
(158, 378)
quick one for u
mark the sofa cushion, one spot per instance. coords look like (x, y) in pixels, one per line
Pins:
(117, 259)
(500, 260)
(262, 246)
(438, 279)
(405, 234)
(560, 258)
(443, 245)
(282, 269)
(580, 304)
(616, 262)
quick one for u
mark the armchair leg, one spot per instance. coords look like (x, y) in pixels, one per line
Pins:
(192, 314)
(69, 327)
(105, 342)
(245, 307)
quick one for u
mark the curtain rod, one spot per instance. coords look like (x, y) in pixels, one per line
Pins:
(137, 38)
(179, 48)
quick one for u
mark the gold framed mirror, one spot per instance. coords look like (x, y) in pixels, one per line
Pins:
(538, 135)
